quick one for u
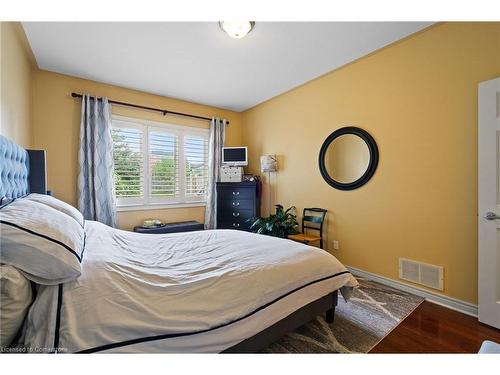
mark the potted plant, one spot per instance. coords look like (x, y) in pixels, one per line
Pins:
(280, 224)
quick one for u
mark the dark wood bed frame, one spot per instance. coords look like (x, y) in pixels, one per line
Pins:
(36, 182)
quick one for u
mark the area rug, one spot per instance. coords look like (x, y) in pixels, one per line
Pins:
(373, 311)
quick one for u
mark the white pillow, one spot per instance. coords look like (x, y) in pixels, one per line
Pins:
(45, 244)
(15, 299)
(58, 205)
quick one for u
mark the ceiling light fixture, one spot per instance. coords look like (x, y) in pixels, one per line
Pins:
(236, 29)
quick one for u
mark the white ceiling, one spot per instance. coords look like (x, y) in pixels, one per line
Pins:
(196, 61)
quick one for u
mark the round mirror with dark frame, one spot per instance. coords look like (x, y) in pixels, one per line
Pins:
(348, 158)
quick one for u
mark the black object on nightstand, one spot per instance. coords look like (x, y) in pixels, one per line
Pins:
(183, 226)
(236, 203)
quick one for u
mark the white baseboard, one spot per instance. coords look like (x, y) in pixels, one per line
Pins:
(439, 299)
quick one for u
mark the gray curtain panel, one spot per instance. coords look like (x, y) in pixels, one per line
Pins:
(96, 196)
(215, 144)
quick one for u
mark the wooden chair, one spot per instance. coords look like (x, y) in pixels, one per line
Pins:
(312, 219)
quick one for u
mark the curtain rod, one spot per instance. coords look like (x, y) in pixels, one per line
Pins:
(163, 111)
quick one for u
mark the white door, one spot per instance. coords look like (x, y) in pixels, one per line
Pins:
(489, 202)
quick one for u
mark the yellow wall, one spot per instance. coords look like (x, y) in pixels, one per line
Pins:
(56, 121)
(418, 99)
(16, 73)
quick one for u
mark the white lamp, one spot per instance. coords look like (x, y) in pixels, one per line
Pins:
(269, 163)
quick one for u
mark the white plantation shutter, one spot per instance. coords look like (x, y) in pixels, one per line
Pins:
(159, 164)
(196, 166)
(163, 164)
(128, 155)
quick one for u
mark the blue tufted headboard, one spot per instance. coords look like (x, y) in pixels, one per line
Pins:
(21, 171)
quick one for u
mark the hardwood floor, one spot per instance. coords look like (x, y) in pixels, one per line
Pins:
(435, 329)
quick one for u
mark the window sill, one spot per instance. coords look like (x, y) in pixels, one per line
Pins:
(142, 207)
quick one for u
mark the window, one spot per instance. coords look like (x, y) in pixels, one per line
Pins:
(159, 164)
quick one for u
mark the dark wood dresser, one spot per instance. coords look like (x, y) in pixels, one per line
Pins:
(236, 203)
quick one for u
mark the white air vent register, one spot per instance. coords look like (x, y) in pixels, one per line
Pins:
(421, 273)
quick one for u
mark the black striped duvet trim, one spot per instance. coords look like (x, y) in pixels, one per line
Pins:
(84, 243)
(172, 335)
(58, 317)
(47, 238)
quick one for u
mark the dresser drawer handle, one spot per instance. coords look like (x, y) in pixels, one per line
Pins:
(236, 203)
(236, 225)
(236, 214)
(236, 193)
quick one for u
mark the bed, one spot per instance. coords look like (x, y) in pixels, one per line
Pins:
(201, 292)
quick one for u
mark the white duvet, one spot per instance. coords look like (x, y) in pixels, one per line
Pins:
(197, 292)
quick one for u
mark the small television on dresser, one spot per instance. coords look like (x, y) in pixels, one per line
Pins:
(235, 156)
